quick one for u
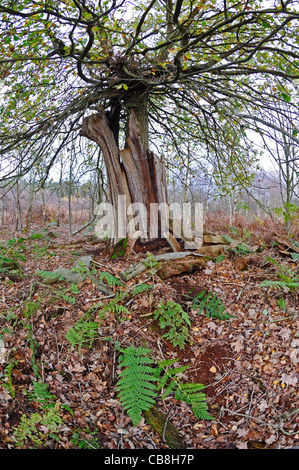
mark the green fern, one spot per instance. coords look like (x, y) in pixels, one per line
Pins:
(137, 390)
(167, 376)
(141, 379)
(286, 286)
(172, 316)
(241, 249)
(110, 279)
(141, 288)
(30, 431)
(50, 275)
(82, 269)
(228, 239)
(151, 263)
(67, 298)
(289, 279)
(211, 304)
(118, 309)
(81, 333)
(191, 393)
(115, 307)
(41, 393)
(8, 374)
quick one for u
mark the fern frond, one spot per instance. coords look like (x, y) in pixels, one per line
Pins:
(136, 386)
(141, 379)
(177, 337)
(283, 285)
(119, 309)
(200, 301)
(50, 275)
(228, 239)
(141, 288)
(284, 272)
(110, 279)
(191, 393)
(211, 304)
(168, 376)
(272, 260)
(81, 333)
(172, 316)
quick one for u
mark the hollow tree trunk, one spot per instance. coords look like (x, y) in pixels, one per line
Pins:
(136, 176)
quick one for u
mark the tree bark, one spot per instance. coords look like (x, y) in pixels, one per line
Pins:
(159, 422)
(133, 172)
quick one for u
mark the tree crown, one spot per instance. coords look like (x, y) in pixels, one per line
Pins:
(193, 62)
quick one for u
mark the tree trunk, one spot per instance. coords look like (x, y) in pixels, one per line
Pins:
(59, 194)
(19, 221)
(70, 197)
(136, 176)
(44, 206)
(30, 202)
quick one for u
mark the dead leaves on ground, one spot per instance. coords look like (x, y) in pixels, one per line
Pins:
(248, 363)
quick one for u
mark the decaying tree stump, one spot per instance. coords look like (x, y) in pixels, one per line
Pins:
(135, 174)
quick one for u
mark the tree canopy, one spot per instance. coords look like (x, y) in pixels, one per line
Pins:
(192, 62)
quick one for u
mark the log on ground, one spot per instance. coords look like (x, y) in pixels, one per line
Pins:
(159, 422)
(176, 267)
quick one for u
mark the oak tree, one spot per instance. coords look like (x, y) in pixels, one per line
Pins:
(122, 74)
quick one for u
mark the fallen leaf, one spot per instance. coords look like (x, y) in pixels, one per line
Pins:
(294, 355)
(122, 431)
(198, 426)
(289, 379)
(76, 368)
(241, 445)
(238, 345)
(263, 405)
(242, 432)
(271, 439)
(212, 326)
(214, 430)
(285, 333)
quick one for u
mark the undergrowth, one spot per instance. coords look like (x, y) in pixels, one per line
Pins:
(289, 280)
(176, 321)
(141, 378)
(211, 305)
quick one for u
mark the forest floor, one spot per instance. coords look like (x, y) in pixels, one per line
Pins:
(58, 391)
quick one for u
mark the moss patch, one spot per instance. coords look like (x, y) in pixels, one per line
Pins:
(119, 248)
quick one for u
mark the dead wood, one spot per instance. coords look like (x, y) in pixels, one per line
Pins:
(176, 267)
(135, 175)
(160, 423)
(140, 267)
(212, 239)
(90, 222)
(286, 247)
(212, 250)
(173, 243)
(132, 239)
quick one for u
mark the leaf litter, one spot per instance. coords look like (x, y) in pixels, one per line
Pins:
(248, 363)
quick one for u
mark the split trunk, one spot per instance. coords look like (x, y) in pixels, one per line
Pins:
(136, 176)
